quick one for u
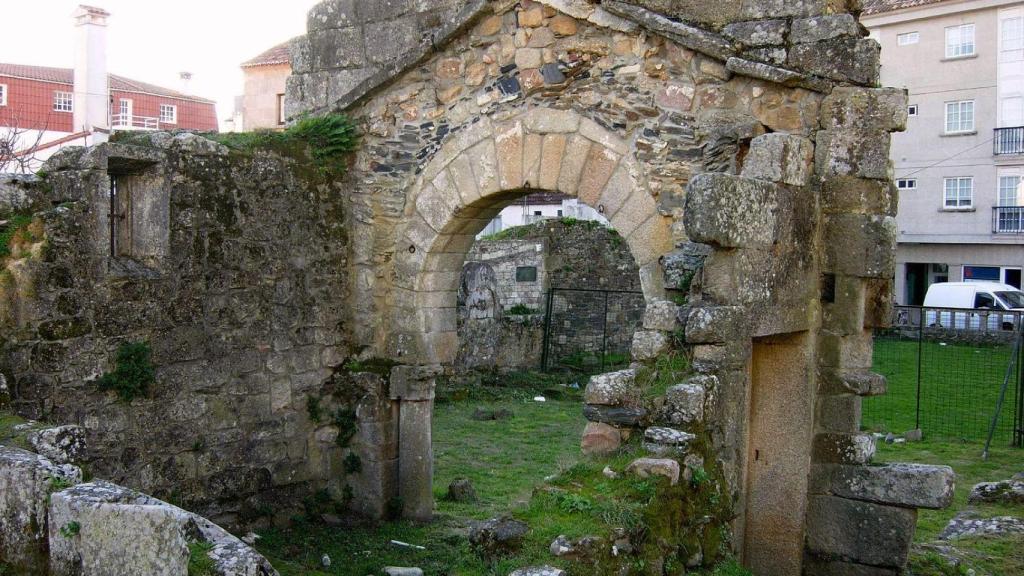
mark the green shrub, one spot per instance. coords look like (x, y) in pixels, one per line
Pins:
(313, 408)
(71, 529)
(352, 463)
(520, 310)
(133, 373)
(346, 422)
(329, 139)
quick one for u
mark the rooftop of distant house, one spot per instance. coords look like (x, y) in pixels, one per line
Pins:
(872, 7)
(280, 54)
(117, 83)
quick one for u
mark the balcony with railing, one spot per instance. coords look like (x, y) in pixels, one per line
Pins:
(132, 122)
(1008, 220)
(1008, 141)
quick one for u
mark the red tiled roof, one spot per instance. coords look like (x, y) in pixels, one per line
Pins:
(881, 6)
(280, 54)
(117, 83)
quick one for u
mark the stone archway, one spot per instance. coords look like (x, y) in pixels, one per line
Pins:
(477, 173)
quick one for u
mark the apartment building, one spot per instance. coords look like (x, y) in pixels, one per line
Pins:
(959, 167)
(262, 102)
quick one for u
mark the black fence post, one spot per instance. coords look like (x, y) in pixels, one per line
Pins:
(920, 353)
(546, 341)
(1018, 428)
(604, 333)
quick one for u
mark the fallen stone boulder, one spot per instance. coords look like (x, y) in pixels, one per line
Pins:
(539, 571)
(103, 528)
(610, 389)
(399, 571)
(497, 536)
(461, 490)
(968, 524)
(648, 467)
(1005, 492)
(600, 439)
(582, 549)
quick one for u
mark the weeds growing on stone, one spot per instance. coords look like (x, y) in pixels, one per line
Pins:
(199, 561)
(16, 225)
(329, 139)
(133, 372)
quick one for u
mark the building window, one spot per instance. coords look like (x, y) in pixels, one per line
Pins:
(906, 184)
(960, 116)
(908, 38)
(63, 102)
(912, 110)
(982, 274)
(280, 110)
(526, 274)
(168, 114)
(3, 94)
(960, 41)
(125, 108)
(959, 193)
(1012, 46)
(1009, 191)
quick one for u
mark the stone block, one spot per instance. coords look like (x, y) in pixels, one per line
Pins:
(611, 389)
(903, 485)
(731, 212)
(839, 413)
(661, 315)
(780, 158)
(649, 344)
(819, 28)
(682, 264)
(859, 531)
(716, 324)
(814, 565)
(843, 59)
(649, 467)
(26, 481)
(861, 245)
(853, 152)
(332, 14)
(330, 49)
(758, 33)
(117, 531)
(860, 382)
(709, 359)
(839, 448)
(858, 195)
(391, 39)
(539, 571)
(600, 439)
(878, 303)
(873, 109)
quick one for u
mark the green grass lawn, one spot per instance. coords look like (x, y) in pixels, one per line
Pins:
(505, 460)
(960, 386)
(986, 555)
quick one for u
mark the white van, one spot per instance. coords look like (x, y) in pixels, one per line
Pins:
(986, 304)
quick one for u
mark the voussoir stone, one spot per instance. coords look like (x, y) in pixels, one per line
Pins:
(611, 388)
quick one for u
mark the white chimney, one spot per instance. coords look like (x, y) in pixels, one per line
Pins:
(186, 82)
(92, 89)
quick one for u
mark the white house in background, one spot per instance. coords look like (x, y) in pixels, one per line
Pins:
(959, 166)
(541, 206)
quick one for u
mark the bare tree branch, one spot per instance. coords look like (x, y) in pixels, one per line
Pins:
(19, 146)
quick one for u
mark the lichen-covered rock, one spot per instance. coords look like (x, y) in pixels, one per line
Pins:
(861, 245)
(26, 481)
(843, 448)
(684, 403)
(648, 467)
(662, 441)
(611, 388)
(62, 444)
(539, 571)
(819, 28)
(968, 524)
(716, 324)
(1005, 492)
(649, 344)
(661, 315)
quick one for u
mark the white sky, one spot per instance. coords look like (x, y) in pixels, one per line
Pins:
(153, 41)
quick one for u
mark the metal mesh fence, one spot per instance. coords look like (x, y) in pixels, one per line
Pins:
(590, 331)
(946, 370)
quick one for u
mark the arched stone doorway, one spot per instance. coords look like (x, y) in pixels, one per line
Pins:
(472, 178)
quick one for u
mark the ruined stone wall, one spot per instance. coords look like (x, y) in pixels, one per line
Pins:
(232, 267)
(506, 257)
